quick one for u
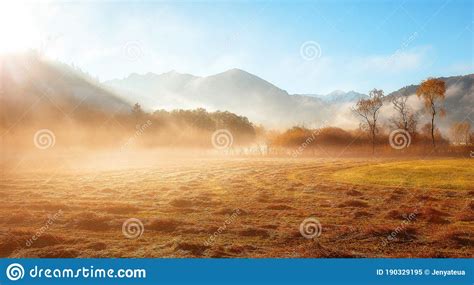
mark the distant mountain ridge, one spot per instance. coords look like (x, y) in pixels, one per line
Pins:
(338, 96)
(234, 90)
(243, 93)
(67, 90)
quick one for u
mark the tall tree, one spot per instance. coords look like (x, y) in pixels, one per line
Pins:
(433, 92)
(368, 109)
(405, 119)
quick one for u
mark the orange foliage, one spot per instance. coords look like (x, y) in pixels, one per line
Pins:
(431, 90)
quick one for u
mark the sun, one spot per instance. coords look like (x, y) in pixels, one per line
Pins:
(17, 29)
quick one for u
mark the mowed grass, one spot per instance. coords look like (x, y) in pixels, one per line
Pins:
(234, 207)
(442, 173)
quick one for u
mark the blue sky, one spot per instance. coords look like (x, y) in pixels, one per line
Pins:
(359, 45)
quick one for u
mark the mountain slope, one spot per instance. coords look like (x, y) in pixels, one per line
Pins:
(33, 88)
(459, 102)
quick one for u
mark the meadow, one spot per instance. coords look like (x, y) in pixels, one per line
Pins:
(239, 207)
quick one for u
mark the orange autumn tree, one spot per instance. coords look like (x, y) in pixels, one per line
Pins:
(433, 92)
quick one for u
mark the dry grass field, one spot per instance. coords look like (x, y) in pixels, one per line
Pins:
(241, 207)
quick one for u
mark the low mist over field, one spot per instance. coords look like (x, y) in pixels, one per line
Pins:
(235, 129)
(84, 111)
(170, 178)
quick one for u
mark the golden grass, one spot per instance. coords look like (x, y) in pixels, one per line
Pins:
(441, 173)
(183, 203)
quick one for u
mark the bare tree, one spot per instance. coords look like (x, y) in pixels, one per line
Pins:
(433, 93)
(405, 119)
(368, 109)
(460, 132)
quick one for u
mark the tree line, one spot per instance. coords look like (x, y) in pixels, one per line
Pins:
(431, 91)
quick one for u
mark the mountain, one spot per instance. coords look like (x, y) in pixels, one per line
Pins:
(262, 102)
(152, 90)
(234, 90)
(31, 87)
(338, 96)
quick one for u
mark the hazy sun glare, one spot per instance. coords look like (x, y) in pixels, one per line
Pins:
(17, 29)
